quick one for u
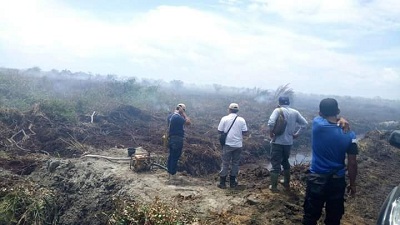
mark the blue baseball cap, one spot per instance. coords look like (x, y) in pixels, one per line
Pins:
(284, 100)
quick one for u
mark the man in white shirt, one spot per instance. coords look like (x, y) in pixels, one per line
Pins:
(232, 149)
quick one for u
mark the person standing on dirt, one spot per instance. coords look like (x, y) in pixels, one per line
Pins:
(176, 123)
(232, 149)
(326, 182)
(281, 144)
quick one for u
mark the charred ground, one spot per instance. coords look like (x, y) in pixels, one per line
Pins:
(42, 148)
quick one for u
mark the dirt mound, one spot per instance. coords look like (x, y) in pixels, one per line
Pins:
(125, 114)
(377, 163)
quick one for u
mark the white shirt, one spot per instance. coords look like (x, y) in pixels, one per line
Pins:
(235, 135)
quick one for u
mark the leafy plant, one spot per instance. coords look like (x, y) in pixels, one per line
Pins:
(57, 109)
(283, 90)
(26, 205)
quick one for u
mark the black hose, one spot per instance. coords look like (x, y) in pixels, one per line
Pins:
(160, 166)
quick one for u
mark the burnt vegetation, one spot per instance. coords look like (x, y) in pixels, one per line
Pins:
(65, 114)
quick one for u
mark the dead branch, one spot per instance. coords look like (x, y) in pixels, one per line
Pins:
(211, 148)
(24, 138)
(15, 143)
(30, 128)
(91, 117)
(380, 132)
(74, 143)
(133, 138)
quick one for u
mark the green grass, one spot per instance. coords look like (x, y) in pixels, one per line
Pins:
(26, 205)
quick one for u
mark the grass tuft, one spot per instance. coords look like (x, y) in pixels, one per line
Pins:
(26, 205)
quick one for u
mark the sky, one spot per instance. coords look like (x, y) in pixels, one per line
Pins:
(341, 47)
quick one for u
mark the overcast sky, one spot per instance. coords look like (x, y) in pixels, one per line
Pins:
(340, 47)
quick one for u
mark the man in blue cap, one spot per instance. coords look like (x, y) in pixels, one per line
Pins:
(282, 143)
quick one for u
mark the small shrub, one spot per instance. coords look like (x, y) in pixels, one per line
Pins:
(27, 205)
(59, 110)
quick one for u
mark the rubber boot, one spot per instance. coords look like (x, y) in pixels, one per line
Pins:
(274, 182)
(232, 181)
(286, 179)
(173, 179)
(222, 181)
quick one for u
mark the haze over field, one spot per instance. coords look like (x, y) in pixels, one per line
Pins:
(344, 47)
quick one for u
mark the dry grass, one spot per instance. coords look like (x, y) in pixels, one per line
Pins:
(158, 212)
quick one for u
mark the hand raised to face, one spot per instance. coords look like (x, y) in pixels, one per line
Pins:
(181, 110)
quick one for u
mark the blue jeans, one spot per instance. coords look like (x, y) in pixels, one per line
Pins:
(280, 156)
(230, 156)
(175, 151)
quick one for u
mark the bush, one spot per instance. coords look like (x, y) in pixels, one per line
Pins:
(26, 205)
(59, 110)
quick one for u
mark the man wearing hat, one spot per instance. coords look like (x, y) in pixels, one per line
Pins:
(232, 149)
(326, 183)
(281, 144)
(176, 123)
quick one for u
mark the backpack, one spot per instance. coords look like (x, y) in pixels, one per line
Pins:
(280, 124)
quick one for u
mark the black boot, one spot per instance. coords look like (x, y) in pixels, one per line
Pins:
(222, 181)
(232, 181)
(274, 182)
(286, 180)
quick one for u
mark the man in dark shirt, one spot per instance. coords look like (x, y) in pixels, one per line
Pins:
(326, 182)
(176, 123)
